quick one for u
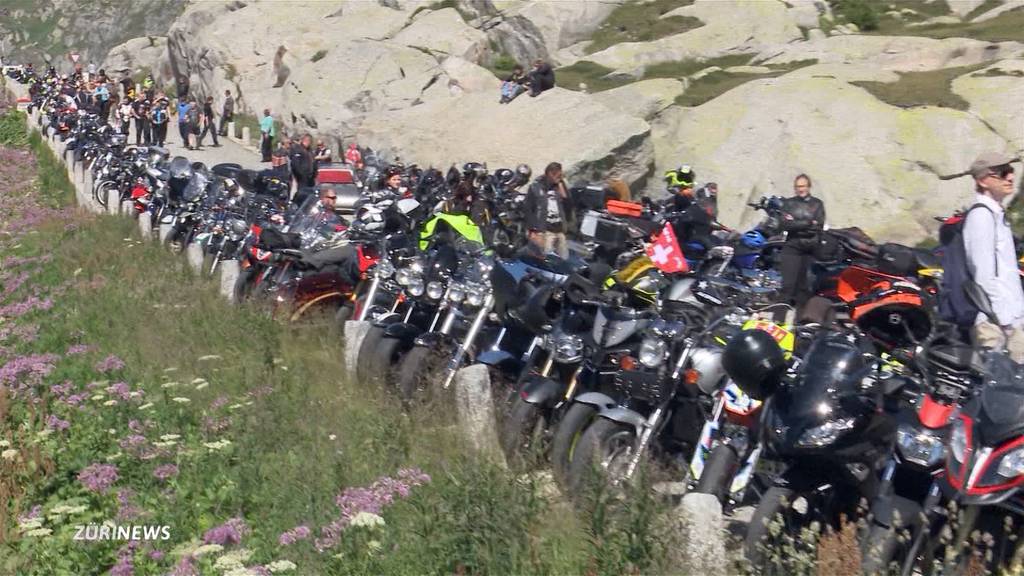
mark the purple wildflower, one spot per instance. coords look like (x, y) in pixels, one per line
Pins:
(294, 535)
(76, 349)
(120, 390)
(30, 368)
(219, 402)
(124, 565)
(109, 364)
(76, 399)
(56, 424)
(230, 532)
(156, 555)
(125, 509)
(185, 567)
(372, 499)
(35, 512)
(27, 305)
(98, 477)
(165, 471)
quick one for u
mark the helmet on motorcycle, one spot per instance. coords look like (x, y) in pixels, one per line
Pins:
(682, 177)
(180, 168)
(504, 176)
(524, 172)
(754, 361)
(753, 239)
(472, 169)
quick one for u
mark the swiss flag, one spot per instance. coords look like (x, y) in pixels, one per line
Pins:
(665, 252)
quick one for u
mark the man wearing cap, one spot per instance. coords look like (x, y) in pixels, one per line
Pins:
(985, 231)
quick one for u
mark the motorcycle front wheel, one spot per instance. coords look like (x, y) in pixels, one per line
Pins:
(421, 369)
(566, 437)
(605, 449)
(716, 478)
(523, 435)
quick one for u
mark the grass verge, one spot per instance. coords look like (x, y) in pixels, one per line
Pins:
(641, 22)
(931, 88)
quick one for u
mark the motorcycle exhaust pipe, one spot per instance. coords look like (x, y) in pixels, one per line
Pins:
(370, 296)
(474, 329)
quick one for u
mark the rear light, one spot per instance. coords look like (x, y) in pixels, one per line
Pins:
(691, 377)
(627, 362)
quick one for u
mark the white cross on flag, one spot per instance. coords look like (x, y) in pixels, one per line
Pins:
(665, 252)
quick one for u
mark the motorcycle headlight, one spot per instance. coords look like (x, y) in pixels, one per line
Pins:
(457, 293)
(435, 290)
(1012, 464)
(826, 433)
(919, 446)
(652, 352)
(415, 287)
(385, 269)
(567, 348)
(402, 277)
(958, 440)
(475, 296)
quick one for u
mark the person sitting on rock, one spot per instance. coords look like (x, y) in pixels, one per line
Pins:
(542, 77)
(514, 85)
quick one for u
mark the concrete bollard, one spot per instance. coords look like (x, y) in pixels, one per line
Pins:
(703, 534)
(113, 200)
(246, 136)
(164, 232)
(228, 275)
(194, 255)
(231, 130)
(127, 207)
(145, 226)
(475, 407)
(355, 331)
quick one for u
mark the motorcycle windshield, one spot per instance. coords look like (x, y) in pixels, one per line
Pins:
(196, 187)
(613, 326)
(827, 386)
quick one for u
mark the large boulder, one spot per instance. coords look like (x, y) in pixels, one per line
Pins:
(591, 141)
(538, 29)
(995, 94)
(140, 56)
(445, 32)
(644, 99)
(728, 28)
(869, 160)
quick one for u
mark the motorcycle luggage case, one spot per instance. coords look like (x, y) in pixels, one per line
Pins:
(624, 208)
(897, 259)
(603, 230)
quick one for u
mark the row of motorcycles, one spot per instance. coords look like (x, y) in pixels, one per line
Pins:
(862, 406)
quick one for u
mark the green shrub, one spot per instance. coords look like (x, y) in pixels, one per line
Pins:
(863, 13)
(318, 56)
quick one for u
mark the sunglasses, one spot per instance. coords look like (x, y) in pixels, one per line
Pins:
(1001, 172)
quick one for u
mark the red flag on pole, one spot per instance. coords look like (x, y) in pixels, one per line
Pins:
(666, 253)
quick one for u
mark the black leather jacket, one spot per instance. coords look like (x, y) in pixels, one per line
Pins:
(803, 217)
(535, 208)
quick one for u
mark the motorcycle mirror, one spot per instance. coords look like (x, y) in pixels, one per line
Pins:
(977, 296)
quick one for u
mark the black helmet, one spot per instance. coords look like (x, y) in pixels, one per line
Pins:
(504, 176)
(393, 170)
(473, 169)
(524, 172)
(755, 362)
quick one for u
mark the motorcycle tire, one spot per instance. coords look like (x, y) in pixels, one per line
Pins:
(366, 361)
(243, 284)
(522, 433)
(420, 369)
(566, 437)
(603, 448)
(388, 355)
(719, 469)
(774, 502)
(879, 549)
(99, 192)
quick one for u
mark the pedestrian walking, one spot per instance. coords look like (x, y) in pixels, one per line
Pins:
(183, 121)
(140, 112)
(159, 118)
(209, 125)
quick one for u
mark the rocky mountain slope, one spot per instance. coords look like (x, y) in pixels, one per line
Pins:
(873, 99)
(47, 30)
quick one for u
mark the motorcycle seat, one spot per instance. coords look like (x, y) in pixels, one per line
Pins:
(958, 358)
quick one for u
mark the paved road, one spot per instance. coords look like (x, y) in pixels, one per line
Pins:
(229, 151)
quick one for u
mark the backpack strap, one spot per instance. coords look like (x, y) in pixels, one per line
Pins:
(995, 239)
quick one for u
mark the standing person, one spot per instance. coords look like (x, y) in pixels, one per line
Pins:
(140, 112)
(210, 127)
(127, 88)
(546, 211)
(322, 154)
(183, 121)
(124, 113)
(102, 96)
(353, 156)
(267, 133)
(803, 217)
(302, 163)
(159, 118)
(992, 258)
(149, 87)
(227, 113)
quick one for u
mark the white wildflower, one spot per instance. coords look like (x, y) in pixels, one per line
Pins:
(146, 406)
(234, 407)
(278, 566)
(367, 520)
(167, 437)
(209, 357)
(30, 524)
(43, 433)
(233, 560)
(114, 456)
(166, 444)
(207, 549)
(4, 443)
(66, 510)
(110, 403)
(285, 368)
(111, 431)
(38, 532)
(203, 385)
(171, 384)
(373, 546)
(76, 272)
(181, 400)
(218, 445)
(171, 369)
(9, 454)
(198, 380)
(333, 436)
(97, 397)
